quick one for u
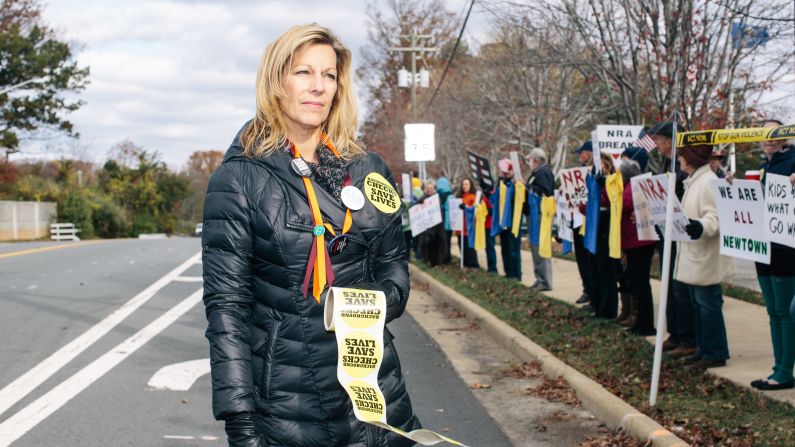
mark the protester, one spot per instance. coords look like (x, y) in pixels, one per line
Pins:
(680, 318)
(585, 158)
(491, 252)
(604, 270)
(699, 264)
(777, 279)
(510, 245)
(716, 162)
(445, 191)
(466, 193)
(273, 364)
(542, 183)
(433, 241)
(637, 154)
(405, 220)
(639, 255)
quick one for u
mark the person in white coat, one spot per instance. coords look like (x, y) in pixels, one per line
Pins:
(699, 264)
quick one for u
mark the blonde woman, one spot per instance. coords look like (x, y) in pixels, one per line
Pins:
(287, 197)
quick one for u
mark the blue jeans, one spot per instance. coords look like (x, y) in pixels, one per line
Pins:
(491, 253)
(710, 326)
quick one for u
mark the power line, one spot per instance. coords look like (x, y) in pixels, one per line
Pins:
(452, 55)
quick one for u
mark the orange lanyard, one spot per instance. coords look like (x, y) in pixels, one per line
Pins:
(319, 265)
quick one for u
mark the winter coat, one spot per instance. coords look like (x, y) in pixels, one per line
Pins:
(629, 229)
(542, 181)
(699, 262)
(269, 350)
(781, 256)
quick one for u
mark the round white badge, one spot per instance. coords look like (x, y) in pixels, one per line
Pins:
(352, 198)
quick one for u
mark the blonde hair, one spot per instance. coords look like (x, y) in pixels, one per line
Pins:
(266, 131)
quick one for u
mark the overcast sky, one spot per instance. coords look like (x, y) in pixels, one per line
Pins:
(178, 76)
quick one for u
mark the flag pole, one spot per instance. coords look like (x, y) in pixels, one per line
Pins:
(665, 274)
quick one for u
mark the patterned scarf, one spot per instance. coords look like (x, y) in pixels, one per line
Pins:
(329, 172)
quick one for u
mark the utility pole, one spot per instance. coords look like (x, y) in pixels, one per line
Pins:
(416, 51)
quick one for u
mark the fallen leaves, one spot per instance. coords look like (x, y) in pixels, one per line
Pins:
(554, 390)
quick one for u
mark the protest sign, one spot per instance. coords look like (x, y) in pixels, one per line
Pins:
(613, 139)
(741, 212)
(572, 185)
(425, 215)
(456, 213)
(649, 197)
(405, 182)
(517, 167)
(563, 217)
(779, 210)
(479, 167)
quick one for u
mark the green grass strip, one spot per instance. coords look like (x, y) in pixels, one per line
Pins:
(699, 408)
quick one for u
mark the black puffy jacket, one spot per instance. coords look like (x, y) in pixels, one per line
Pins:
(269, 350)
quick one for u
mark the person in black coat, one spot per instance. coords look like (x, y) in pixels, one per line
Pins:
(542, 183)
(680, 315)
(278, 190)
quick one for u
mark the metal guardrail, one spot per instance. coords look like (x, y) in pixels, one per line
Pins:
(64, 232)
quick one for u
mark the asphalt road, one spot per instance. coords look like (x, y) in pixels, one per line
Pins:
(86, 326)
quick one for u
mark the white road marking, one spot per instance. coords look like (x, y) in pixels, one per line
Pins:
(179, 376)
(27, 382)
(188, 279)
(20, 423)
(187, 438)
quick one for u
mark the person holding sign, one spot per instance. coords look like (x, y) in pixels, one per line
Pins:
(466, 193)
(585, 157)
(699, 264)
(681, 340)
(639, 255)
(604, 270)
(433, 245)
(502, 200)
(296, 206)
(777, 280)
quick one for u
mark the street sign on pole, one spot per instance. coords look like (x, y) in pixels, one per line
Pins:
(419, 142)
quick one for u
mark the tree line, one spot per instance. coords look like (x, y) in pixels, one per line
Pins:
(133, 192)
(547, 72)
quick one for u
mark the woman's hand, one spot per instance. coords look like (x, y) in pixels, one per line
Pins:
(242, 431)
(694, 229)
(729, 177)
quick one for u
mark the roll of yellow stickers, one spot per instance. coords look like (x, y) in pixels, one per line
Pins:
(380, 193)
(358, 317)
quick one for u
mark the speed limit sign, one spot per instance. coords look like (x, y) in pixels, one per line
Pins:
(419, 142)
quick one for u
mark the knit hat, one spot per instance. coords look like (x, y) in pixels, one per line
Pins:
(504, 165)
(696, 156)
(638, 154)
(586, 147)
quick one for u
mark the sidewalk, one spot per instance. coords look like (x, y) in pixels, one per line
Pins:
(747, 324)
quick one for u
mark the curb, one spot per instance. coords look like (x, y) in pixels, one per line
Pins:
(607, 407)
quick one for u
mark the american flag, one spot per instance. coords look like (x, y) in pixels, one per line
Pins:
(644, 141)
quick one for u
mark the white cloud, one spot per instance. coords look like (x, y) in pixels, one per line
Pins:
(178, 76)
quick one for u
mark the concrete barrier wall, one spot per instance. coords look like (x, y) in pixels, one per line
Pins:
(26, 220)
